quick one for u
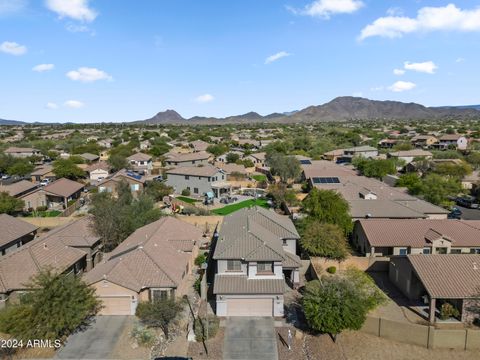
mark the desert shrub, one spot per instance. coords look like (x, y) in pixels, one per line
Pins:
(447, 311)
(331, 269)
(143, 335)
(185, 192)
(201, 327)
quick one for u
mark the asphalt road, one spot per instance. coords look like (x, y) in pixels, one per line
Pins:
(95, 342)
(469, 214)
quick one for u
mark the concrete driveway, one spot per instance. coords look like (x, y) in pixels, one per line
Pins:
(95, 342)
(250, 338)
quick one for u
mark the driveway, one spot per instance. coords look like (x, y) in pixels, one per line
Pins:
(250, 338)
(95, 342)
(469, 214)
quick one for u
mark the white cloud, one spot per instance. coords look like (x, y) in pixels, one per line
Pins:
(395, 11)
(74, 104)
(460, 60)
(74, 9)
(11, 6)
(43, 67)
(12, 48)
(205, 98)
(377, 88)
(427, 67)
(276, 57)
(86, 75)
(428, 19)
(51, 106)
(326, 8)
(398, 72)
(400, 86)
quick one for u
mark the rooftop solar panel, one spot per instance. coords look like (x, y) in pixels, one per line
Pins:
(326, 180)
(305, 162)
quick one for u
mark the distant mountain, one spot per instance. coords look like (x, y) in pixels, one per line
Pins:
(344, 108)
(11, 122)
(475, 107)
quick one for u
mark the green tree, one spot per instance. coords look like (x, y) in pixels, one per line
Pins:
(327, 206)
(412, 182)
(53, 307)
(217, 149)
(159, 313)
(117, 162)
(375, 168)
(232, 158)
(21, 167)
(338, 303)
(326, 240)
(158, 190)
(453, 170)
(9, 204)
(474, 159)
(281, 194)
(436, 189)
(286, 167)
(66, 168)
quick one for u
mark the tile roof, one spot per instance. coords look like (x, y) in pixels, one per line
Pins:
(448, 276)
(206, 170)
(14, 149)
(18, 187)
(64, 187)
(42, 170)
(233, 284)
(182, 157)
(199, 145)
(417, 232)
(78, 233)
(255, 234)
(13, 228)
(155, 255)
(139, 157)
(387, 209)
(411, 153)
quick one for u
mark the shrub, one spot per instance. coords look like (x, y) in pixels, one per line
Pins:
(447, 311)
(142, 335)
(197, 285)
(200, 259)
(331, 269)
(186, 192)
(41, 208)
(201, 327)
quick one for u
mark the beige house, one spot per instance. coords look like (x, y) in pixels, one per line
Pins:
(141, 163)
(187, 159)
(423, 141)
(385, 237)
(110, 184)
(41, 173)
(255, 255)
(153, 263)
(438, 279)
(409, 155)
(98, 171)
(19, 152)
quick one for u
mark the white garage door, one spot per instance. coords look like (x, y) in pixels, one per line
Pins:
(116, 305)
(249, 307)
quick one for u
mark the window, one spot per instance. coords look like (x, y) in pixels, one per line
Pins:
(209, 179)
(187, 177)
(157, 295)
(402, 251)
(474, 251)
(199, 178)
(426, 250)
(234, 265)
(455, 251)
(264, 267)
(223, 177)
(193, 162)
(195, 190)
(284, 242)
(135, 187)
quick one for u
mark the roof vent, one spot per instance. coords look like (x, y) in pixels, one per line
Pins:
(45, 246)
(475, 267)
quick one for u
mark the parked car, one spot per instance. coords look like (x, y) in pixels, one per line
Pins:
(44, 182)
(5, 177)
(456, 213)
(468, 202)
(158, 178)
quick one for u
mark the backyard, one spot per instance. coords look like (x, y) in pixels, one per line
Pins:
(226, 210)
(188, 200)
(47, 213)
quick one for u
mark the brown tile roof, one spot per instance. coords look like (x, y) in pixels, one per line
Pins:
(78, 233)
(155, 255)
(14, 149)
(233, 284)
(255, 234)
(89, 157)
(42, 170)
(18, 187)
(230, 168)
(448, 276)
(139, 157)
(182, 157)
(199, 145)
(417, 232)
(103, 165)
(17, 268)
(450, 137)
(206, 170)
(13, 228)
(411, 153)
(64, 187)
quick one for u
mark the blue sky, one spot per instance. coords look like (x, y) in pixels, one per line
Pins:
(101, 60)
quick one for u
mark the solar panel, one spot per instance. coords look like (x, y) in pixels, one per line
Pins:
(305, 162)
(326, 180)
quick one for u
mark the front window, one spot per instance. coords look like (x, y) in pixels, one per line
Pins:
(187, 177)
(403, 251)
(426, 250)
(264, 267)
(234, 265)
(159, 295)
(195, 190)
(284, 242)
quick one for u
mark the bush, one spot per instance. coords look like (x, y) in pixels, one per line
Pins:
(186, 192)
(142, 335)
(200, 259)
(42, 208)
(197, 285)
(447, 311)
(201, 327)
(331, 269)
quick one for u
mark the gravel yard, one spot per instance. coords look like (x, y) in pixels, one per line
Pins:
(214, 346)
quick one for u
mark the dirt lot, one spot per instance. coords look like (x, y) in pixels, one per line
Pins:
(359, 346)
(125, 349)
(214, 346)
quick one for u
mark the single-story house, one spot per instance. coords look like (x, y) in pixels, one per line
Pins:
(255, 258)
(89, 158)
(199, 145)
(387, 143)
(386, 237)
(21, 152)
(110, 184)
(60, 192)
(153, 263)
(14, 233)
(333, 155)
(199, 180)
(423, 141)
(19, 188)
(439, 279)
(409, 155)
(42, 172)
(98, 171)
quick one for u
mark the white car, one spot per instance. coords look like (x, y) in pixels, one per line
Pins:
(44, 182)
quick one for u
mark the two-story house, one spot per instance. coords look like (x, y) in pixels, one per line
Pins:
(199, 180)
(187, 159)
(141, 163)
(15, 233)
(255, 258)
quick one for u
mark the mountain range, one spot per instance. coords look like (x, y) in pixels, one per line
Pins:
(345, 108)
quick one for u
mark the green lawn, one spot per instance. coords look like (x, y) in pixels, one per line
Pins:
(51, 213)
(226, 210)
(187, 199)
(259, 177)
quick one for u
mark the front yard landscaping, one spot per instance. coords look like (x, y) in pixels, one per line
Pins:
(187, 199)
(226, 210)
(259, 177)
(49, 213)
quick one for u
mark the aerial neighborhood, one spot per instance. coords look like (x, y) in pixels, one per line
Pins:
(207, 218)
